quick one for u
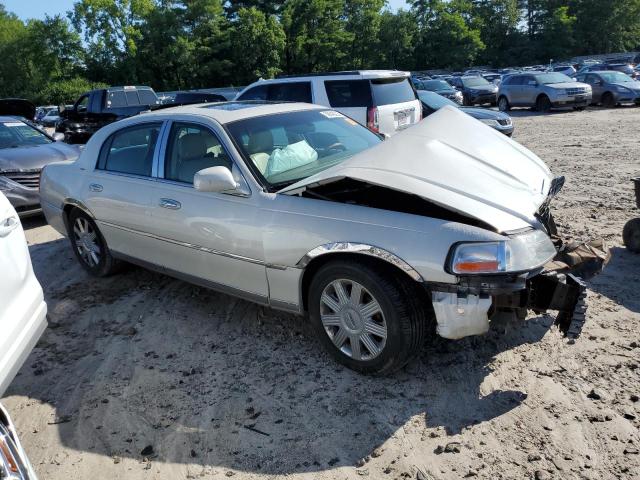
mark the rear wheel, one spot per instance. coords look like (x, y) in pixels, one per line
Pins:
(370, 319)
(503, 104)
(89, 245)
(631, 235)
(543, 104)
(608, 101)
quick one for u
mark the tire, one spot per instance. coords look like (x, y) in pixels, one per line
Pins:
(631, 235)
(386, 339)
(608, 101)
(89, 246)
(543, 104)
(579, 109)
(503, 104)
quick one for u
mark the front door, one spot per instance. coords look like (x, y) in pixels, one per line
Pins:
(209, 238)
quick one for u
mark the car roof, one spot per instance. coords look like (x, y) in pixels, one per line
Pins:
(227, 112)
(366, 74)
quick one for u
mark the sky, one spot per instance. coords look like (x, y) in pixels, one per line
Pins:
(39, 8)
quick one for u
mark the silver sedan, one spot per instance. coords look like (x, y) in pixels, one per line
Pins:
(381, 243)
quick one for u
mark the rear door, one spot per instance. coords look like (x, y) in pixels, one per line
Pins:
(396, 103)
(22, 307)
(118, 191)
(597, 86)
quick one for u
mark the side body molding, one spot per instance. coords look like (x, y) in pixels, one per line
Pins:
(363, 249)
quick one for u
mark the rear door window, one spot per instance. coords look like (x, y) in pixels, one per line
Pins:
(348, 93)
(132, 97)
(388, 91)
(290, 92)
(130, 150)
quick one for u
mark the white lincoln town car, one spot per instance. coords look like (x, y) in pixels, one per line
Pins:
(382, 243)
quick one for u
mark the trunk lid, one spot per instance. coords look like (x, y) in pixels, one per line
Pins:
(456, 162)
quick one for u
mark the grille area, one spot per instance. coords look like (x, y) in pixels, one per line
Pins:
(29, 179)
(576, 91)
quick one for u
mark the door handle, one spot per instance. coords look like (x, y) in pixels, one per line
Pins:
(7, 225)
(170, 204)
(95, 187)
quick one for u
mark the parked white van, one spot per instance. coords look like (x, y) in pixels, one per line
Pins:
(382, 100)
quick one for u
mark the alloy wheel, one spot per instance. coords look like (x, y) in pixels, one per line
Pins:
(353, 319)
(86, 241)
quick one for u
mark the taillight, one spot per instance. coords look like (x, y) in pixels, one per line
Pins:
(372, 119)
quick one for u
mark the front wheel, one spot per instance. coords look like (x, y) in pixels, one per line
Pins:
(608, 101)
(89, 245)
(369, 319)
(543, 104)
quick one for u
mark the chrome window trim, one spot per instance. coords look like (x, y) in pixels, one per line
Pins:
(159, 149)
(246, 189)
(363, 249)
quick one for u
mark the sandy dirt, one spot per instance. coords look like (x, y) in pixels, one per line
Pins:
(141, 376)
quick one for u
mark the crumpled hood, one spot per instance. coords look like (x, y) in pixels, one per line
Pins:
(36, 157)
(454, 161)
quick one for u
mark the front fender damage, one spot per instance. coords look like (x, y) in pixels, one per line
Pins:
(467, 308)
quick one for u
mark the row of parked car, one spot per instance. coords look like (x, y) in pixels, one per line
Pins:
(539, 89)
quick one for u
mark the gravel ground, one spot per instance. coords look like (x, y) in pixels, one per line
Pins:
(140, 376)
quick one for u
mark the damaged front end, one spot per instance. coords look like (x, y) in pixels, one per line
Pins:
(466, 308)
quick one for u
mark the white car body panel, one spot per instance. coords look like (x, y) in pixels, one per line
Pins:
(22, 307)
(451, 160)
(23, 319)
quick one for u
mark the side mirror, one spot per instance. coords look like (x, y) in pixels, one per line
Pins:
(214, 179)
(58, 137)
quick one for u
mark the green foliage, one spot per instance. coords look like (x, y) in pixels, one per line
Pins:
(257, 45)
(186, 44)
(58, 92)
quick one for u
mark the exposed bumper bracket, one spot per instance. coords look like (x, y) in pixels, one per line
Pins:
(565, 293)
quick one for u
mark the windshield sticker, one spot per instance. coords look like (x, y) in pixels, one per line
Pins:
(332, 114)
(13, 124)
(350, 121)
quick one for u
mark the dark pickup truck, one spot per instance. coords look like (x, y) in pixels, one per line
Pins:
(97, 108)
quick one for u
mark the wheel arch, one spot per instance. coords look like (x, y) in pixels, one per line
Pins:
(68, 205)
(320, 256)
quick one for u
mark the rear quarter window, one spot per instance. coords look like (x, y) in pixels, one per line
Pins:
(348, 93)
(392, 90)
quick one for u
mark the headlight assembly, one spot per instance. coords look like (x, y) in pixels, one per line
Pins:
(517, 253)
(489, 121)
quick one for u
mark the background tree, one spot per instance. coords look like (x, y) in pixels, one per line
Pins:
(257, 45)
